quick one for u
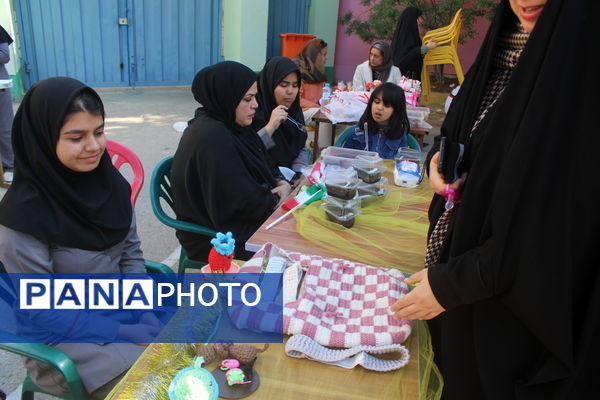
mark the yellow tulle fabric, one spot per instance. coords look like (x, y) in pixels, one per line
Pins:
(390, 232)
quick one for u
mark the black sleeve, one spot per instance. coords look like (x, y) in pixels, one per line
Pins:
(234, 200)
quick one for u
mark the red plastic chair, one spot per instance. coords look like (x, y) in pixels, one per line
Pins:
(126, 156)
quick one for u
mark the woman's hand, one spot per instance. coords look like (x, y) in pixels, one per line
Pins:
(431, 45)
(278, 115)
(436, 180)
(420, 303)
(282, 190)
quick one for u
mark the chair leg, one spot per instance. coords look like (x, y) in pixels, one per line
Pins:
(425, 85)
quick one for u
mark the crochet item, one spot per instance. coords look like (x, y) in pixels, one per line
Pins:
(221, 255)
(212, 352)
(340, 303)
(301, 346)
(244, 353)
(193, 383)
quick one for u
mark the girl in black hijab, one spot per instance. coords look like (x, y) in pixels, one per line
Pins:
(406, 43)
(222, 177)
(513, 287)
(278, 100)
(69, 211)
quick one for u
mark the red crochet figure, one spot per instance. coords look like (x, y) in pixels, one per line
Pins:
(221, 255)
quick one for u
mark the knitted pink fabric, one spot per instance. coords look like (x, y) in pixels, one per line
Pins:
(340, 303)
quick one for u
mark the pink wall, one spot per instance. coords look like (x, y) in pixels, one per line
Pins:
(350, 50)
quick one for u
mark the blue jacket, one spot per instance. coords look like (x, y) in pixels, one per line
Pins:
(377, 142)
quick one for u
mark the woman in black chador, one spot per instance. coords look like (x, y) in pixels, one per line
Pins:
(512, 288)
(222, 177)
(407, 49)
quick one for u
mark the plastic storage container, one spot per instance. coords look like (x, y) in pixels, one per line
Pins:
(408, 171)
(379, 188)
(368, 175)
(352, 158)
(292, 43)
(341, 182)
(342, 212)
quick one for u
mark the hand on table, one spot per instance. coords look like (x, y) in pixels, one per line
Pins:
(420, 302)
(278, 115)
(282, 190)
(436, 180)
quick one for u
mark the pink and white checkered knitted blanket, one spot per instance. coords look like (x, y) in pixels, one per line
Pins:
(340, 303)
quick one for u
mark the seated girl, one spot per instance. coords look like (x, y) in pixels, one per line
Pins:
(378, 67)
(222, 177)
(279, 120)
(69, 211)
(387, 123)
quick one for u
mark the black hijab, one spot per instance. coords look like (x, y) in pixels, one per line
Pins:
(289, 140)
(520, 280)
(4, 36)
(221, 175)
(83, 210)
(220, 88)
(382, 72)
(406, 44)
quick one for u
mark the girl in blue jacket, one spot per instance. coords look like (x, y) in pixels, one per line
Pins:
(387, 123)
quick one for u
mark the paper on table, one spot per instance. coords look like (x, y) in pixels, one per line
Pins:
(287, 173)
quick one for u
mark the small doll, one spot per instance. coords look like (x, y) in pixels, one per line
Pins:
(220, 258)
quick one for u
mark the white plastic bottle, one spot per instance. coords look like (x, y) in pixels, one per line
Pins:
(326, 94)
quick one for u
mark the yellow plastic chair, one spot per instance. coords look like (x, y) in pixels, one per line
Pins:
(445, 53)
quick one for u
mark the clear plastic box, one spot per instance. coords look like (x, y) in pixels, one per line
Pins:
(342, 212)
(341, 182)
(379, 188)
(352, 158)
(370, 175)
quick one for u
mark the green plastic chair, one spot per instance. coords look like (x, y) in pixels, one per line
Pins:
(52, 356)
(413, 143)
(160, 188)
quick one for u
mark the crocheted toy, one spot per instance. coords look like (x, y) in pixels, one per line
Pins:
(214, 351)
(220, 258)
(244, 353)
(193, 383)
(235, 376)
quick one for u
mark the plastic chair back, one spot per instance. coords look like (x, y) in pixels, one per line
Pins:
(445, 53)
(120, 155)
(50, 355)
(160, 188)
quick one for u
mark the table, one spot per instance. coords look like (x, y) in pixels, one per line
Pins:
(319, 118)
(408, 258)
(283, 377)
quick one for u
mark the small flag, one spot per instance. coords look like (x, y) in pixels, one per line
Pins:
(304, 197)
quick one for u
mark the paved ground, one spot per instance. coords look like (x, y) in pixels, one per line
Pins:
(142, 119)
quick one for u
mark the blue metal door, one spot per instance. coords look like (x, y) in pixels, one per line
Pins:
(118, 42)
(289, 16)
(172, 40)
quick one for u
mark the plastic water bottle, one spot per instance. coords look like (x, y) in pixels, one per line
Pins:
(326, 94)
